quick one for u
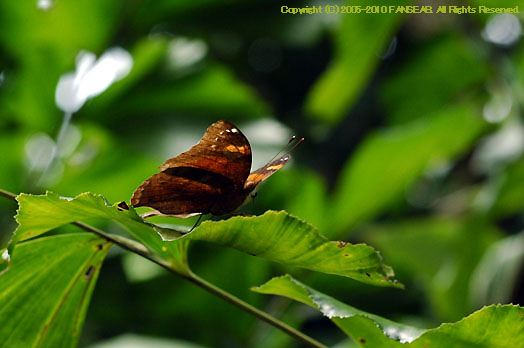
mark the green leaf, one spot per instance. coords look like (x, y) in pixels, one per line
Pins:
(275, 236)
(45, 294)
(11, 166)
(39, 214)
(221, 90)
(359, 44)
(280, 237)
(158, 11)
(301, 192)
(441, 255)
(360, 325)
(432, 88)
(497, 326)
(509, 197)
(391, 159)
(498, 272)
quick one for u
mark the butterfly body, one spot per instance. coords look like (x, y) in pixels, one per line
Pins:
(211, 177)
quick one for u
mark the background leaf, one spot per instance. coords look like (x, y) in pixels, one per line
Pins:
(361, 40)
(496, 326)
(431, 89)
(442, 256)
(45, 294)
(366, 185)
(364, 328)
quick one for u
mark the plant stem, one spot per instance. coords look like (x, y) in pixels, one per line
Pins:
(56, 155)
(141, 250)
(8, 194)
(255, 311)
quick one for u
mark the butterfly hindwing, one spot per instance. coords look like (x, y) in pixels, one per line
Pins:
(173, 195)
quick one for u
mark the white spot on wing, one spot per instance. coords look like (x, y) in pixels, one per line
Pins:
(228, 130)
(234, 130)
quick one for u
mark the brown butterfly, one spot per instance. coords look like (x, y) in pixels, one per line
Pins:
(212, 177)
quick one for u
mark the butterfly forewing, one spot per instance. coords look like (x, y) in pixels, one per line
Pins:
(223, 150)
(197, 180)
(265, 172)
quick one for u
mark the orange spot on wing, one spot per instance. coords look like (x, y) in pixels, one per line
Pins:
(275, 167)
(232, 148)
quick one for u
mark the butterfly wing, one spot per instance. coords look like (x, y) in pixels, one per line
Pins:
(223, 150)
(265, 172)
(197, 180)
(175, 195)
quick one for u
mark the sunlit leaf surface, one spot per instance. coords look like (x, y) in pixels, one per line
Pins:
(39, 214)
(275, 236)
(279, 237)
(497, 326)
(494, 326)
(45, 294)
(363, 327)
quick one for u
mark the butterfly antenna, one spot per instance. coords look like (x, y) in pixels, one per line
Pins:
(293, 138)
(295, 145)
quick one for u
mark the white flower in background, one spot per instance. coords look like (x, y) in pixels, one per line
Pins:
(44, 4)
(184, 52)
(91, 77)
(500, 148)
(39, 150)
(502, 29)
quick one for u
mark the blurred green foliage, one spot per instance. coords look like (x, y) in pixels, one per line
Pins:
(414, 144)
(82, 256)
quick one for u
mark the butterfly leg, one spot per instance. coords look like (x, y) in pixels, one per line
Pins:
(157, 213)
(151, 214)
(196, 224)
